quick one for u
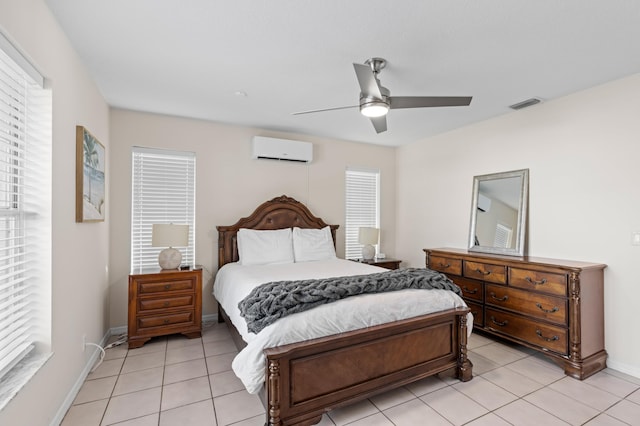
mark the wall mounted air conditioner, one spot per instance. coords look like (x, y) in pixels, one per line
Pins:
(282, 149)
(484, 203)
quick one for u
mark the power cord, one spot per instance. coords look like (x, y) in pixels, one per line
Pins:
(119, 341)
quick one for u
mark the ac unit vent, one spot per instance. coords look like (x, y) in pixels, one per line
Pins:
(282, 149)
(525, 104)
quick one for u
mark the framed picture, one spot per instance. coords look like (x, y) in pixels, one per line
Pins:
(90, 177)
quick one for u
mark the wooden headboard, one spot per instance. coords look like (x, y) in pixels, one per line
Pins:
(279, 213)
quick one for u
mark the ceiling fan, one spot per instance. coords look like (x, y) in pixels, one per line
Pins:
(376, 100)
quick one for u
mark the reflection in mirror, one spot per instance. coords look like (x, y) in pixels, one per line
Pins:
(499, 213)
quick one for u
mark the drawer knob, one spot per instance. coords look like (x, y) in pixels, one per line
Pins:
(501, 324)
(549, 311)
(531, 281)
(480, 271)
(499, 299)
(167, 287)
(547, 339)
(470, 291)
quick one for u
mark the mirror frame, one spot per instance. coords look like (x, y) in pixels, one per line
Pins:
(519, 249)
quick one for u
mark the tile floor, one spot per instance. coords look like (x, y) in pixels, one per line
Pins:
(178, 381)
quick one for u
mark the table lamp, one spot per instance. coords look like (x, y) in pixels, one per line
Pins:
(170, 236)
(368, 237)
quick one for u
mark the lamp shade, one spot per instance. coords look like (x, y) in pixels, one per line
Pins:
(169, 235)
(368, 235)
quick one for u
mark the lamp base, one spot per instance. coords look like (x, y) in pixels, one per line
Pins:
(169, 258)
(368, 252)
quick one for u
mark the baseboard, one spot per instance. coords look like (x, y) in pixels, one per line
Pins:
(631, 370)
(73, 392)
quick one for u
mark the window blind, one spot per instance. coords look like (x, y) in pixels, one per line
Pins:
(163, 191)
(362, 206)
(25, 213)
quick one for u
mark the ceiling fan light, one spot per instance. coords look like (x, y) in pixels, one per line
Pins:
(374, 109)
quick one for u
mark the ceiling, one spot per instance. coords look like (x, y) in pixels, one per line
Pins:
(254, 62)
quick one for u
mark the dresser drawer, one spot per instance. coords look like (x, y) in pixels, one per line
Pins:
(485, 272)
(536, 333)
(471, 289)
(180, 318)
(540, 306)
(164, 286)
(165, 303)
(478, 313)
(446, 265)
(547, 282)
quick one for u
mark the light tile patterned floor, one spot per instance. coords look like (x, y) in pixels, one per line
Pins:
(179, 381)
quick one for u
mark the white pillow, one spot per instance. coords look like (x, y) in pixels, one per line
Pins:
(257, 247)
(313, 244)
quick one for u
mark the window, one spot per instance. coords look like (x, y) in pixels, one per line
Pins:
(163, 191)
(503, 236)
(362, 206)
(25, 221)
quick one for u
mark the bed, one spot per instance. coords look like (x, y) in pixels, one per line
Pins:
(300, 381)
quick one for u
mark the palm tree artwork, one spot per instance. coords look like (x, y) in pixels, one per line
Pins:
(93, 177)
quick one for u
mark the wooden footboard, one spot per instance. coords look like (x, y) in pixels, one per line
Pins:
(307, 379)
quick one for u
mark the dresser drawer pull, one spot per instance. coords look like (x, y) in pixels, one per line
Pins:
(444, 265)
(542, 281)
(480, 271)
(167, 287)
(549, 311)
(470, 291)
(501, 324)
(547, 339)
(499, 299)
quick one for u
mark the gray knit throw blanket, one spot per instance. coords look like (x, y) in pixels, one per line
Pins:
(271, 301)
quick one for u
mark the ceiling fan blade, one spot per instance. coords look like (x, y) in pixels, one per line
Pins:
(368, 83)
(428, 101)
(379, 123)
(326, 109)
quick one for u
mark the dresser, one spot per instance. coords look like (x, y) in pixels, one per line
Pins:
(164, 302)
(553, 306)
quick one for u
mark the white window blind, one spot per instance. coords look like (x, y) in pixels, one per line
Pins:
(503, 236)
(362, 206)
(163, 191)
(25, 217)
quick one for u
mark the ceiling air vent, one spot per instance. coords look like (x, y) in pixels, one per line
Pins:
(525, 104)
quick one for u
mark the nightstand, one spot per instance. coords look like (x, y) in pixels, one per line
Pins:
(383, 263)
(164, 302)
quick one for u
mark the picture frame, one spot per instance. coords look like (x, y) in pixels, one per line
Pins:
(90, 177)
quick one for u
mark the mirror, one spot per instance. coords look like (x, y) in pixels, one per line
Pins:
(499, 213)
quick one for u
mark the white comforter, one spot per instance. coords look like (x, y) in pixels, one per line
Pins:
(234, 282)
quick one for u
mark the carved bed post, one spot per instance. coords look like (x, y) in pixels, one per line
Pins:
(464, 368)
(274, 393)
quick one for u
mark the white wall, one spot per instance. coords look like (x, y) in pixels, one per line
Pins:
(583, 154)
(80, 251)
(230, 185)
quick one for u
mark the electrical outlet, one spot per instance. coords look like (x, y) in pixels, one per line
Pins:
(84, 342)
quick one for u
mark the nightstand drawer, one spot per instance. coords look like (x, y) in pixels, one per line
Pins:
(165, 320)
(485, 272)
(163, 286)
(165, 303)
